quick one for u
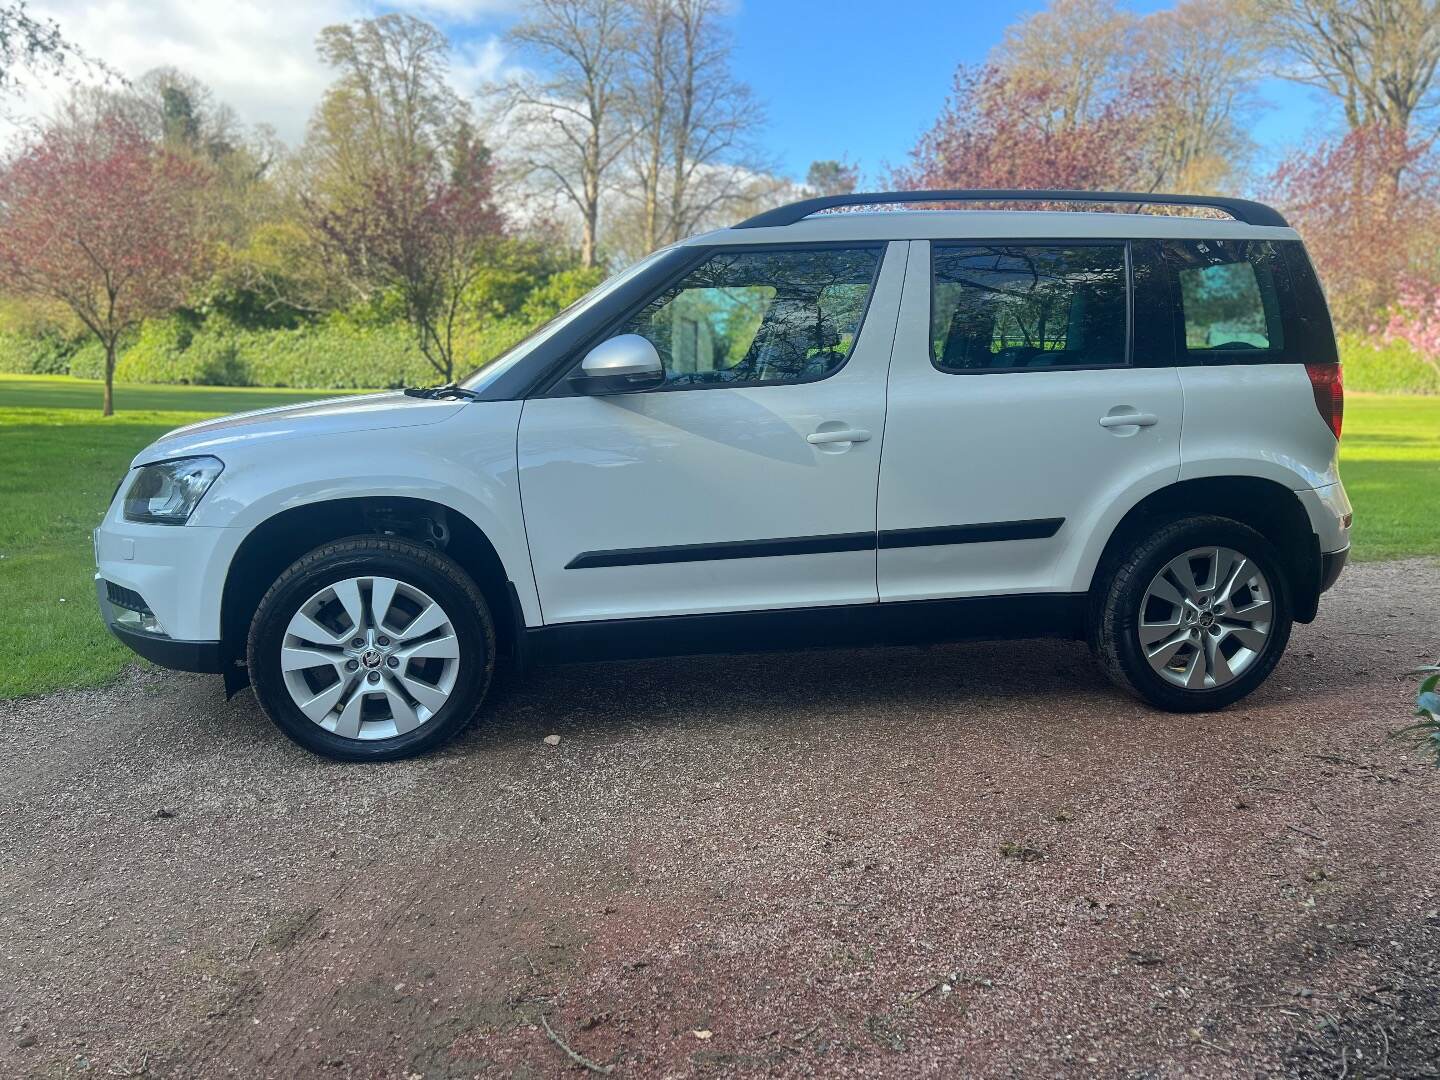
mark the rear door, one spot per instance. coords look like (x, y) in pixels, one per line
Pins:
(747, 480)
(1023, 417)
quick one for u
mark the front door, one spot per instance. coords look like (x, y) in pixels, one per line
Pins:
(1024, 416)
(747, 480)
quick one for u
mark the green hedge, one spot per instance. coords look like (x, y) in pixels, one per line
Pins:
(43, 354)
(1393, 368)
(342, 354)
(337, 355)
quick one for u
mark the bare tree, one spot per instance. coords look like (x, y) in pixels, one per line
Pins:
(572, 123)
(651, 105)
(1075, 50)
(1379, 57)
(712, 122)
(1203, 55)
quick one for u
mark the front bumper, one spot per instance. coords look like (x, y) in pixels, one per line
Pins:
(201, 656)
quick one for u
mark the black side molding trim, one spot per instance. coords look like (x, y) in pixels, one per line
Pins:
(983, 533)
(1036, 529)
(911, 622)
(729, 549)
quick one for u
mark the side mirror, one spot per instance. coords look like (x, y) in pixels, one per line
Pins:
(621, 365)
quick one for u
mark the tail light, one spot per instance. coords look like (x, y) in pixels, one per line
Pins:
(1329, 388)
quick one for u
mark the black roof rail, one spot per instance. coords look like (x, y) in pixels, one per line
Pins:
(1243, 210)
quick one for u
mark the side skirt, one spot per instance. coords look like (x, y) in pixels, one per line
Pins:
(912, 622)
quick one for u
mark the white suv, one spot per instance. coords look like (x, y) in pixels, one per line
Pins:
(845, 428)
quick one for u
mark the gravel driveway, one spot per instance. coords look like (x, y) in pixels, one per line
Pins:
(976, 860)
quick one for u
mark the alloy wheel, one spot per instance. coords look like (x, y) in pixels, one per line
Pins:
(370, 658)
(1205, 618)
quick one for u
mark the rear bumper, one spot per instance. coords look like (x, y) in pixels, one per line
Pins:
(200, 656)
(1331, 563)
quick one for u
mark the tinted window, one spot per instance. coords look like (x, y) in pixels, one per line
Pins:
(1230, 295)
(760, 317)
(1008, 307)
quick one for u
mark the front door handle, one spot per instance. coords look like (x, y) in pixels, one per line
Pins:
(1129, 419)
(819, 438)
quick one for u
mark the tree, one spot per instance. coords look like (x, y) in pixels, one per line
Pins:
(1202, 56)
(1191, 66)
(711, 121)
(995, 132)
(1378, 57)
(34, 45)
(572, 124)
(391, 105)
(832, 177)
(419, 231)
(100, 219)
(651, 103)
(1365, 237)
(1070, 56)
(397, 187)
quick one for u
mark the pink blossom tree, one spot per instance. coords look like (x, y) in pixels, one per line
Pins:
(96, 217)
(1368, 206)
(997, 131)
(1415, 318)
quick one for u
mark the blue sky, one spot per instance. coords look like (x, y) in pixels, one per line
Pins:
(864, 78)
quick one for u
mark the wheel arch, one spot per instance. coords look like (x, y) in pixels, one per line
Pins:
(1268, 507)
(280, 539)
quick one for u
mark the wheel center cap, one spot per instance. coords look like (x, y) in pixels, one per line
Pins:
(372, 659)
(1206, 618)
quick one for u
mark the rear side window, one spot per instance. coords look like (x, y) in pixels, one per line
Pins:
(755, 318)
(1023, 307)
(1230, 295)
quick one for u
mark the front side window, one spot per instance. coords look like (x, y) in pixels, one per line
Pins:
(1229, 297)
(1018, 307)
(753, 318)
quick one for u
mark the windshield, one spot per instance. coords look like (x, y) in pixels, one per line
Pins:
(482, 378)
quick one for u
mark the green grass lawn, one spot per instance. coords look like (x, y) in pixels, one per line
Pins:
(1390, 462)
(60, 461)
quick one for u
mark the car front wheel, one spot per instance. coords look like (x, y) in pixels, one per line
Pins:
(1195, 617)
(372, 648)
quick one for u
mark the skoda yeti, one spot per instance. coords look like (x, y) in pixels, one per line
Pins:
(812, 428)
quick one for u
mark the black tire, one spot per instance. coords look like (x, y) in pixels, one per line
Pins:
(423, 568)
(1115, 612)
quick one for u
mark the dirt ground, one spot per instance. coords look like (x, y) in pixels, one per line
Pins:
(977, 860)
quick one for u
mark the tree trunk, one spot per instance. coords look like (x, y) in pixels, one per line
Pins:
(587, 237)
(108, 409)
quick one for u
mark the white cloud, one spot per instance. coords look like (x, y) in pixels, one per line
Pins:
(481, 63)
(258, 56)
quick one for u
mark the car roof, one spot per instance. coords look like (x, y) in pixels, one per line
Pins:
(991, 225)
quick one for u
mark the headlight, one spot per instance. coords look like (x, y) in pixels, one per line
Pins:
(167, 492)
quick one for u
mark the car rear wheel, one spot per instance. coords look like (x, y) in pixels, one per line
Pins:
(1195, 617)
(371, 649)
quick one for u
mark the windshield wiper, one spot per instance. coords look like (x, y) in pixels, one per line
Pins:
(449, 390)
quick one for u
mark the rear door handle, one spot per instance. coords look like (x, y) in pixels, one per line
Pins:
(819, 438)
(1129, 419)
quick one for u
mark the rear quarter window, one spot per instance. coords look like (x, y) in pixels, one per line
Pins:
(1245, 302)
